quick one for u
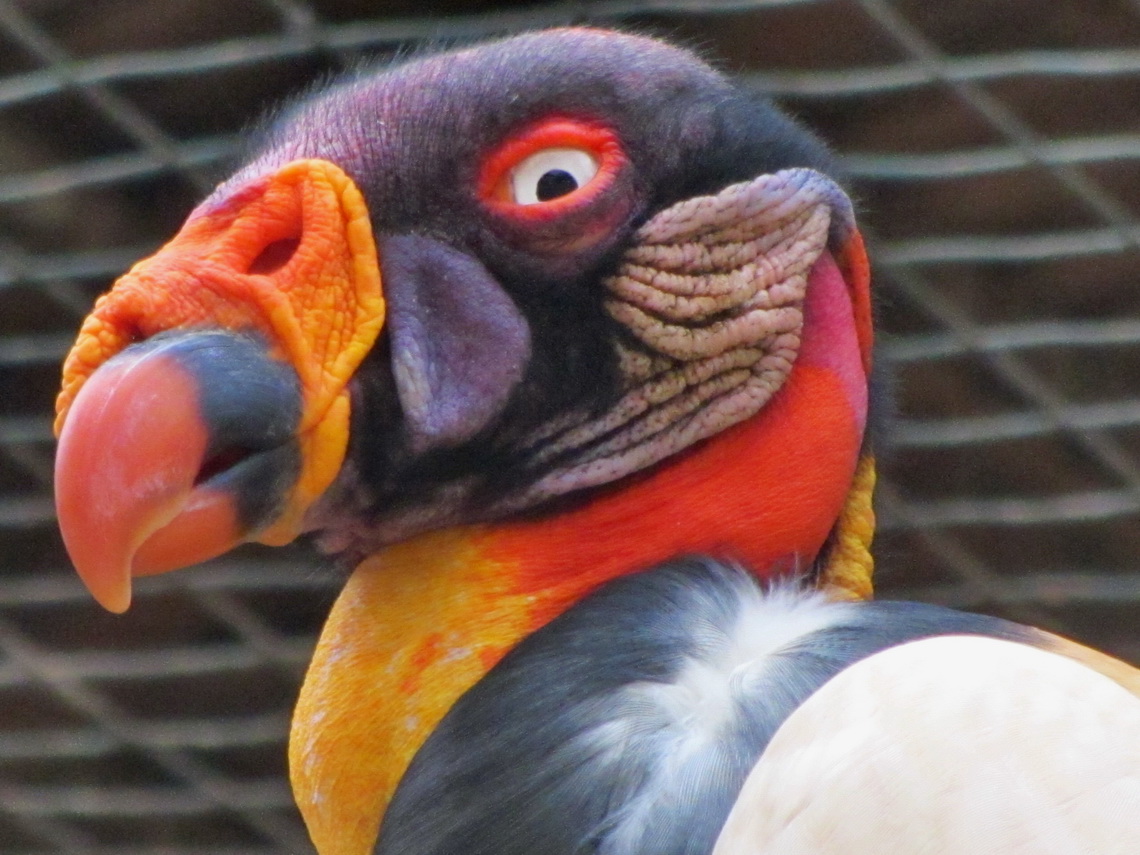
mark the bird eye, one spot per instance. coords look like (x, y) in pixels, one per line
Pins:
(550, 168)
(551, 174)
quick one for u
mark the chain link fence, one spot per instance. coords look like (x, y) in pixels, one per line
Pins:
(995, 151)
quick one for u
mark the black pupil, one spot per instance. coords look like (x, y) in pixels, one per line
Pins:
(555, 183)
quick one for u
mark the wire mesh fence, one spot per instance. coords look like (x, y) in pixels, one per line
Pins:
(994, 149)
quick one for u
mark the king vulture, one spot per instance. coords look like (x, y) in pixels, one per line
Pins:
(497, 327)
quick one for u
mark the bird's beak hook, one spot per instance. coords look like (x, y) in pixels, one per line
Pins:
(286, 258)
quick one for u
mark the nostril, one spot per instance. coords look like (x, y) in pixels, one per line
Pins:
(275, 256)
(225, 459)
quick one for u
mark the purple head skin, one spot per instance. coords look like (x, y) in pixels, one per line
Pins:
(498, 331)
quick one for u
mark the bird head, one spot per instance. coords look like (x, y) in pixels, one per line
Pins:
(572, 294)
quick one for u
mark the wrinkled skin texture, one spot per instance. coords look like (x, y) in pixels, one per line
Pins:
(416, 170)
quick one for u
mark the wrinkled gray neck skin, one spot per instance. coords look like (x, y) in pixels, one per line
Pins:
(628, 725)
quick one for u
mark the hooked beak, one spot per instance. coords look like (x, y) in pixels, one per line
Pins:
(204, 403)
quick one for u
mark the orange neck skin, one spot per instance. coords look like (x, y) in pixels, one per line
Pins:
(422, 621)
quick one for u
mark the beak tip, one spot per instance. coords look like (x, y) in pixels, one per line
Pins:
(116, 602)
(108, 581)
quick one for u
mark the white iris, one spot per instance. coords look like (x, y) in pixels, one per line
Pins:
(560, 169)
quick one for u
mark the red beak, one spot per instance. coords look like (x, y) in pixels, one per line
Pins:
(204, 403)
(127, 462)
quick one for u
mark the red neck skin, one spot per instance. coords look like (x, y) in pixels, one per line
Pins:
(765, 493)
(422, 621)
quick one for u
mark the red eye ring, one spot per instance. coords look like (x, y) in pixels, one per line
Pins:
(553, 133)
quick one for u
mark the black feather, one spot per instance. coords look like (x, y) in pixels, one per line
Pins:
(569, 745)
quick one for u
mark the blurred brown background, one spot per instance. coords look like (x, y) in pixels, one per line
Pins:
(994, 146)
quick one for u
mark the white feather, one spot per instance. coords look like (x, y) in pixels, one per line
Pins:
(701, 698)
(953, 745)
